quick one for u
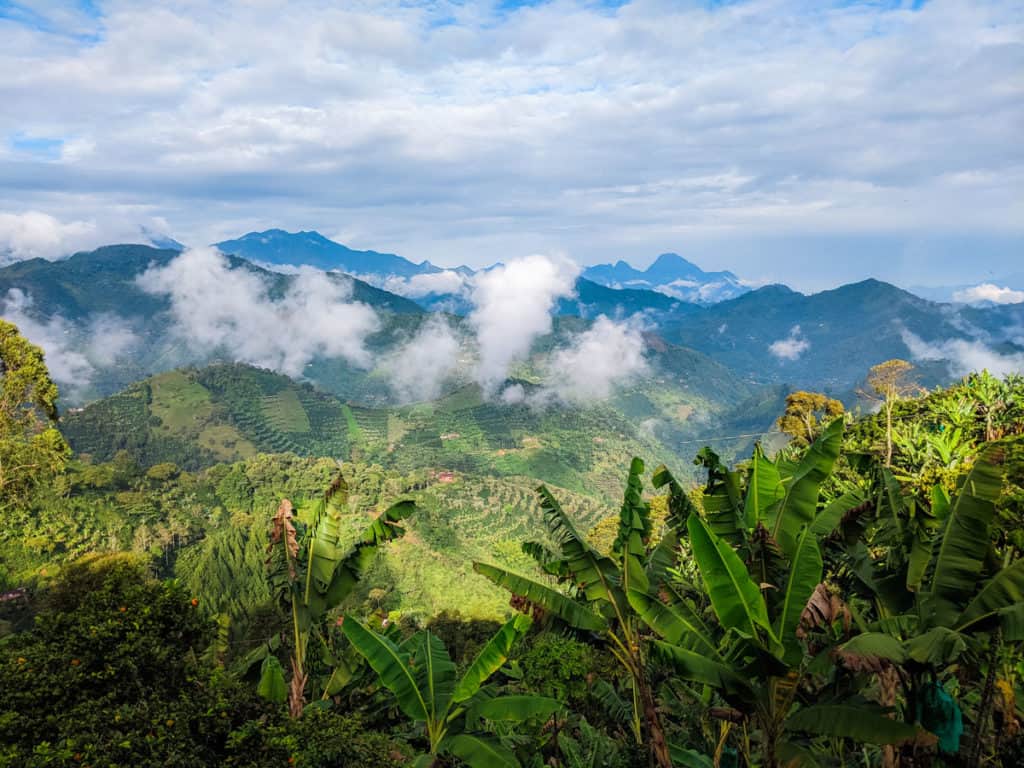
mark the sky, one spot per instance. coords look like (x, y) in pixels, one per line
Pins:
(812, 143)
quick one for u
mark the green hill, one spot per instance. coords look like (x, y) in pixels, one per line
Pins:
(196, 417)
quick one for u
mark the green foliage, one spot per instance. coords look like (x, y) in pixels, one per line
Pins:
(31, 448)
(109, 674)
(422, 677)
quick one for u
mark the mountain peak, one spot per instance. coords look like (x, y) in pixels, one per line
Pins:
(672, 275)
(671, 259)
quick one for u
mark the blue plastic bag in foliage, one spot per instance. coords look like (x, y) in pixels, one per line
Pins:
(939, 713)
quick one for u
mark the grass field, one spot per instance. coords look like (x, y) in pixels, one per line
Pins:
(181, 404)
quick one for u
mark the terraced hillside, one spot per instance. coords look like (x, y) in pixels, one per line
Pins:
(226, 412)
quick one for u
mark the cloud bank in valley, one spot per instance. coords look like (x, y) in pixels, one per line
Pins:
(416, 287)
(964, 356)
(215, 306)
(597, 360)
(419, 369)
(73, 352)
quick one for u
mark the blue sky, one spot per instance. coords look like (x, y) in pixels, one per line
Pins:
(806, 142)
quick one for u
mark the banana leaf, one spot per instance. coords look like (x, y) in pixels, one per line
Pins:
(799, 505)
(392, 666)
(859, 722)
(697, 668)
(568, 610)
(737, 601)
(764, 488)
(964, 543)
(595, 574)
(481, 752)
(805, 572)
(1004, 590)
(272, 685)
(491, 657)
(675, 622)
(434, 673)
(519, 708)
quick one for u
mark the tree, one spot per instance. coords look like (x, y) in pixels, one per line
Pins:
(422, 677)
(806, 414)
(890, 382)
(31, 447)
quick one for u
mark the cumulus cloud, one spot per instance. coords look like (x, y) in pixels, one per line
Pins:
(605, 355)
(418, 369)
(964, 356)
(791, 347)
(214, 306)
(988, 293)
(512, 306)
(73, 352)
(34, 234)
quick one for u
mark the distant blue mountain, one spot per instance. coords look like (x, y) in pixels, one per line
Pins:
(158, 240)
(672, 275)
(279, 248)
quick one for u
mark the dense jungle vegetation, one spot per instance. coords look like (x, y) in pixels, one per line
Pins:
(854, 598)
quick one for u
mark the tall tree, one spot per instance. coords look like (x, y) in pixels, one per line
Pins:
(31, 447)
(888, 383)
(806, 415)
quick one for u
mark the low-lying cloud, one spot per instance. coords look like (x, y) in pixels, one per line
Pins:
(791, 347)
(964, 356)
(988, 293)
(419, 369)
(512, 308)
(433, 283)
(596, 361)
(215, 306)
(73, 352)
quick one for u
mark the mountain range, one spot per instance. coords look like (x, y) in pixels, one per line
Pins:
(769, 336)
(673, 276)
(277, 248)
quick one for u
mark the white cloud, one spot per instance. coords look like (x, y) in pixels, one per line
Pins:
(445, 282)
(791, 347)
(964, 356)
(513, 394)
(596, 361)
(512, 306)
(73, 353)
(34, 234)
(418, 369)
(988, 293)
(215, 306)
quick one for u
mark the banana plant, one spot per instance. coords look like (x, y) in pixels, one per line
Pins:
(960, 596)
(596, 588)
(312, 573)
(759, 557)
(422, 677)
